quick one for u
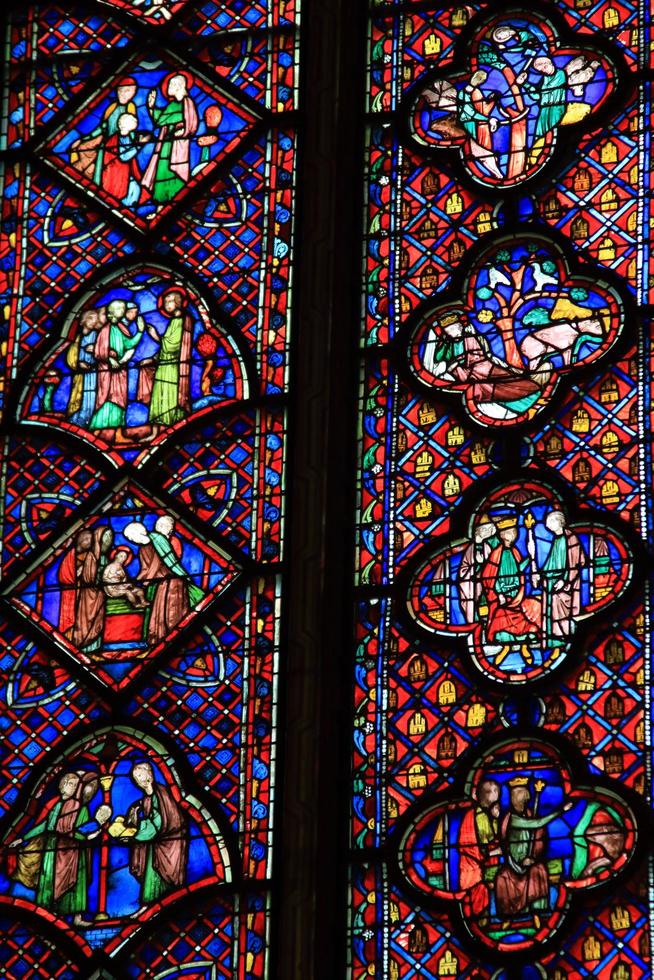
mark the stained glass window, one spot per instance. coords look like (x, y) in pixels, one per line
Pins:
(501, 757)
(148, 179)
(172, 568)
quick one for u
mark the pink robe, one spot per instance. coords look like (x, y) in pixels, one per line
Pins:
(169, 847)
(167, 593)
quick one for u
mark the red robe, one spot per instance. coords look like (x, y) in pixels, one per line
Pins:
(517, 147)
(473, 861)
(484, 107)
(490, 381)
(518, 616)
(116, 172)
(68, 595)
(68, 853)
(89, 613)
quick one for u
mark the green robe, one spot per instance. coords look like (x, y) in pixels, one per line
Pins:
(552, 100)
(153, 885)
(449, 351)
(164, 549)
(167, 184)
(520, 831)
(556, 562)
(554, 569)
(73, 901)
(508, 575)
(165, 408)
(487, 830)
(519, 838)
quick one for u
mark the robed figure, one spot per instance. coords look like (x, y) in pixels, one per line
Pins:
(562, 579)
(464, 356)
(169, 169)
(70, 575)
(159, 851)
(86, 631)
(512, 616)
(167, 587)
(52, 858)
(516, 49)
(522, 885)
(479, 850)
(473, 560)
(475, 117)
(551, 95)
(80, 358)
(170, 397)
(122, 176)
(88, 153)
(113, 350)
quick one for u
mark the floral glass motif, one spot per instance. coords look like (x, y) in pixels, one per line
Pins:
(522, 841)
(148, 135)
(521, 583)
(108, 833)
(523, 84)
(140, 357)
(526, 320)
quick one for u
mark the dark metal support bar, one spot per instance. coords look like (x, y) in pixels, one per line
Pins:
(310, 920)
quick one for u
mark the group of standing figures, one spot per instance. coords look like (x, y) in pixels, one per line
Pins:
(519, 585)
(99, 360)
(94, 582)
(492, 583)
(139, 356)
(58, 857)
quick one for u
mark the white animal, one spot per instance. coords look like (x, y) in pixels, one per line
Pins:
(496, 276)
(542, 279)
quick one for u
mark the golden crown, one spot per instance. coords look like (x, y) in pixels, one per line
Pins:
(449, 318)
